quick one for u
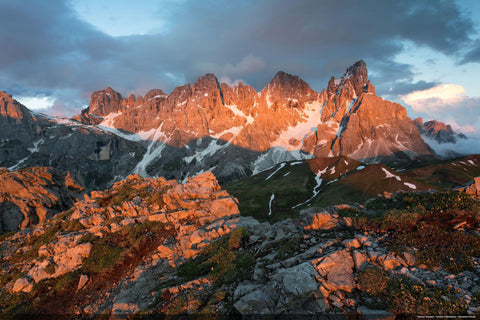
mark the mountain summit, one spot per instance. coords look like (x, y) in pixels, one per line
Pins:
(348, 118)
(233, 131)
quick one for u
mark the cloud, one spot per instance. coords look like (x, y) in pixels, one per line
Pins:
(36, 103)
(48, 48)
(447, 103)
(439, 97)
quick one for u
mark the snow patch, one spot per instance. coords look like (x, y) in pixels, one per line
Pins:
(277, 155)
(316, 189)
(240, 113)
(390, 175)
(108, 121)
(272, 197)
(471, 162)
(352, 102)
(35, 146)
(310, 118)
(286, 174)
(271, 175)
(212, 148)
(154, 150)
(295, 163)
(410, 185)
(140, 136)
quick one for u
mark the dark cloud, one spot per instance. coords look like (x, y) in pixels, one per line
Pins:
(473, 55)
(47, 48)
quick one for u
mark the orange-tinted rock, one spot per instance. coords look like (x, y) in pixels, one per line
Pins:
(348, 116)
(28, 197)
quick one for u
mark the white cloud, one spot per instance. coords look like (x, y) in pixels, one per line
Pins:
(230, 82)
(36, 103)
(444, 96)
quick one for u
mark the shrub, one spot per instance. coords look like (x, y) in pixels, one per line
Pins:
(401, 295)
(373, 280)
(50, 268)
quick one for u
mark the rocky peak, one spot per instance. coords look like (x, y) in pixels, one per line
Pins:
(10, 107)
(31, 196)
(441, 132)
(154, 93)
(207, 90)
(356, 76)
(287, 86)
(205, 82)
(105, 101)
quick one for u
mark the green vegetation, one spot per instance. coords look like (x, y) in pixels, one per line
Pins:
(401, 295)
(221, 260)
(128, 191)
(112, 249)
(36, 241)
(425, 221)
(447, 173)
(290, 189)
(288, 248)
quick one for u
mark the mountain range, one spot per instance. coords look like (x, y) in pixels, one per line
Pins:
(232, 131)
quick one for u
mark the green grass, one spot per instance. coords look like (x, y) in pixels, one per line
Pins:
(111, 249)
(293, 185)
(254, 192)
(403, 296)
(447, 175)
(221, 261)
(425, 221)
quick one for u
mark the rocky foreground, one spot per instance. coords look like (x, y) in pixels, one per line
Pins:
(152, 246)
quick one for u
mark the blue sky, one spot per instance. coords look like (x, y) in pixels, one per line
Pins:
(424, 54)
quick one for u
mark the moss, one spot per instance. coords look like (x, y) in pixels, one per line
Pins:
(222, 261)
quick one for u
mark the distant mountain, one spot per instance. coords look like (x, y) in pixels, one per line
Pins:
(92, 155)
(439, 131)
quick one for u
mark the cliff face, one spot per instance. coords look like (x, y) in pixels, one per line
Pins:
(33, 195)
(346, 119)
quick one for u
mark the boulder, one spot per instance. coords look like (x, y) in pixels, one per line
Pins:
(336, 270)
(23, 284)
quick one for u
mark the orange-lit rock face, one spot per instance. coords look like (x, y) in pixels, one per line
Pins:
(9, 107)
(348, 118)
(31, 196)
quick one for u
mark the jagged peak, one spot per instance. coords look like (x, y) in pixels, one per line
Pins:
(205, 80)
(4, 94)
(358, 67)
(154, 93)
(283, 78)
(107, 91)
(356, 74)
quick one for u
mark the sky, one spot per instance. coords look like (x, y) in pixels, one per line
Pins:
(424, 54)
